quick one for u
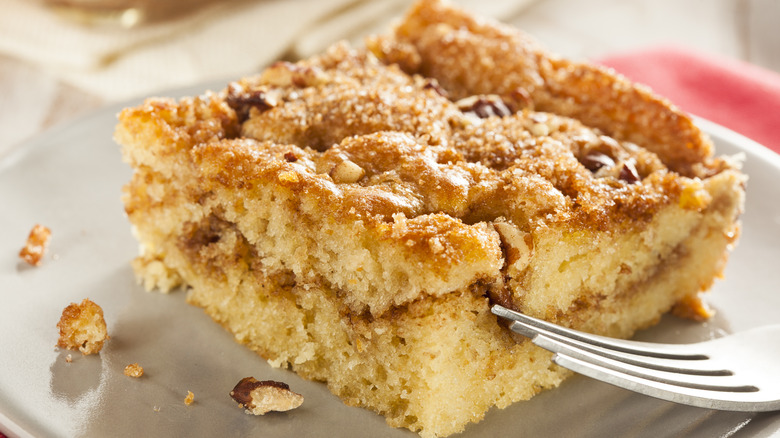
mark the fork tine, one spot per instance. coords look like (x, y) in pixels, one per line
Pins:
(635, 347)
(668, 372)
(718, 382)
(704, 398)
(656, 359)
(712, 392)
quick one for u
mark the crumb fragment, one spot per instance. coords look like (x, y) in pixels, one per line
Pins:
(35, 248)
(82, 327)
(694, 196)
(154, 274)
(694, 308)
(288, 177)
(189, 399)
(134, 370)
(69, 358)
(260, 397)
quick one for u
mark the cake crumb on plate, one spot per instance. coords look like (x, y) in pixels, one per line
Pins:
(134, 370)
(36, 245)
(82, 327)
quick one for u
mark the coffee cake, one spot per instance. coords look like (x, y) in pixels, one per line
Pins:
(353, 216)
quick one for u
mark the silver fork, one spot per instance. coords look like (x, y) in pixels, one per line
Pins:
(739, 372)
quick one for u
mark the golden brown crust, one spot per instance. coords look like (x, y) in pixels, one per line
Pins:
(168, 126)
(470, 55)
(391, 158)
(410, 150)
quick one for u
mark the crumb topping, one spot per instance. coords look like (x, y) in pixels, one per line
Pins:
(388, 142)
(470, 55)
(431, 145)
(463, 135)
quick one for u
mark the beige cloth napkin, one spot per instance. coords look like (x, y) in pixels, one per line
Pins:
(220, 40)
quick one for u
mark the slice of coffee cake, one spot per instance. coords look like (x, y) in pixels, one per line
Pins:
(354, 215)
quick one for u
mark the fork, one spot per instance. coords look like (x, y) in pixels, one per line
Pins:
(739, 372)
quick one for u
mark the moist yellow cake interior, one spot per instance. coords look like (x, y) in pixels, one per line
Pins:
(354, 215)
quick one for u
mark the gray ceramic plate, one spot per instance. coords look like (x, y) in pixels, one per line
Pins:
(69, 179)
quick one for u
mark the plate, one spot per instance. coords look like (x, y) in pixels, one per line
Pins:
(69, 179)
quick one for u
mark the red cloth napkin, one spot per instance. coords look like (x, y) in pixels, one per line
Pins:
(740, 96)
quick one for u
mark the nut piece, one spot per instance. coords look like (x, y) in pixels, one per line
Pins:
(285, 74)
(36, 245)
(595, 160)
(242, 100)
(540, 130)
(134, 370)
(82, 327)
(290, 157)
(260, 397)
(433, 84)
(189, 399)
(516, 247)
(484, 106)
(628, 172)
(347, 172)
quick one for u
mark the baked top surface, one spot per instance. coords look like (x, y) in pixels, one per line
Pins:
(416, 145)
(455, 115)
(384, 142)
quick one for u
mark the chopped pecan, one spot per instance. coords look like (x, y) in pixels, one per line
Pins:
(484, 106)
(285, 74)
(595, 160)
(347, 172)
(433, 84)
(290, 157)
(521, 98)
(243, 100)
(628, 172)
(261, 397)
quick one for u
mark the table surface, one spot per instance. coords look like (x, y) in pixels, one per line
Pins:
(34, 98)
